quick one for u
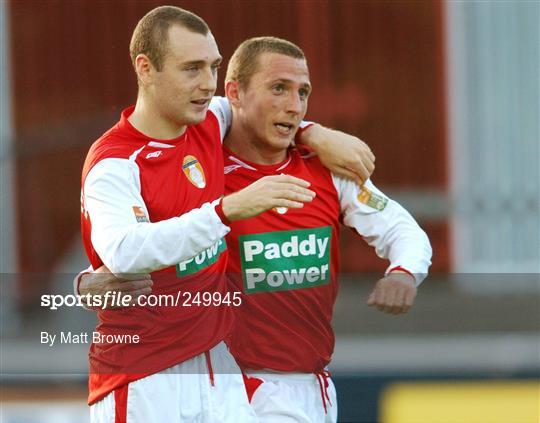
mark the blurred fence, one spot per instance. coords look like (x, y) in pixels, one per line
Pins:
(493, 51)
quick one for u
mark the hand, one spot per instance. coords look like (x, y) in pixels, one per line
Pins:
(342, 154)
(102, 281)
(393, 294)
(265, 194)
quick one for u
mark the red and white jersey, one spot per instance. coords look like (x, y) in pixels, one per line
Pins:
(150, 204)
(286, 261)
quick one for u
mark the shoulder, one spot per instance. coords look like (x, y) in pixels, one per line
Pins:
(218, 110)
(308, 158)
(113, 144)
(209, 125)
(205, 134)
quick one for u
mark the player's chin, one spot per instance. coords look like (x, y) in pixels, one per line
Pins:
(287, 141)
(195, 117)
(279, 146)
(282, 141)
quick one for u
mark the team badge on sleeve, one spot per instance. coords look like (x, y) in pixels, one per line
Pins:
(193, 170)
(371, 199)
(140, 215)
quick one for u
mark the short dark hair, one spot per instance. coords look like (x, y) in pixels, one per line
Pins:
(150, 36)
(245, 59)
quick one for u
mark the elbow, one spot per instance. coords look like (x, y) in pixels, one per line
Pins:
(120, 266)
(427, 248)
(122, 261)
(125, 255)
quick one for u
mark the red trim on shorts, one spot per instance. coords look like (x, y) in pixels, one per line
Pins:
(322, 378)
(251, 384)
(209, 366)
(120, 404)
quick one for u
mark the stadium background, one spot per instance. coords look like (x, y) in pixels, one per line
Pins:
(447, 96)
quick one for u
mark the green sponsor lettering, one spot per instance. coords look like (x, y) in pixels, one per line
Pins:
(204, 259)
(285, 260)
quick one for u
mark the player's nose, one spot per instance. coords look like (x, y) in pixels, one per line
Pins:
(208, 81)
(294, 103)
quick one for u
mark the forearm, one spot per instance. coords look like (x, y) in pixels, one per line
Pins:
(146, 247)
(341, 153)
(410, 250)
(121, 233)
(386, 226)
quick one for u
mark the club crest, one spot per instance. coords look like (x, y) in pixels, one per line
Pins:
(194, 172)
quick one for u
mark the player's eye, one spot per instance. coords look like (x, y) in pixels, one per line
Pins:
(278, 88)
(304, 93)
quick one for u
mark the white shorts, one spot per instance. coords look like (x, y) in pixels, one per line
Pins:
(191, 391)
(292, 397)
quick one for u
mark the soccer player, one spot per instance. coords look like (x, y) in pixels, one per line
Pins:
(286, 261)
(151, 202)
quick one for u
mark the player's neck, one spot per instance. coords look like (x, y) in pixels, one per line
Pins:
(242, 143)
(146, 119)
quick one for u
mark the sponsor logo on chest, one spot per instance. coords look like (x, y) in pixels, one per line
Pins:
(201, 260)
(285, 260)
(154, 154)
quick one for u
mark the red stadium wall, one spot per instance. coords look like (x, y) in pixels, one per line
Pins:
(376, 67)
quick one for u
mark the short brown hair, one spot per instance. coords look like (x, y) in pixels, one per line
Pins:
(245, 59)
(150, 36)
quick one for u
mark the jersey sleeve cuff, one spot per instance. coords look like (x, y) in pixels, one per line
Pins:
(221, 215)
(418, 277)
(77, 282)
(305, 124)
(301, 128)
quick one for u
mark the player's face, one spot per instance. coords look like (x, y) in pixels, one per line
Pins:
(183, 88)
(275, 100)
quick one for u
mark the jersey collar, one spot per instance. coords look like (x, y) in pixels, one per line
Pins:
(126, 125)
(269, 169)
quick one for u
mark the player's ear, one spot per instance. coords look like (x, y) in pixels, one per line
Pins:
(232, 91)
(144, 69)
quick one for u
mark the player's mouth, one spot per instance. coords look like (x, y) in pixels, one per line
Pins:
(285, 128)
(201, 103)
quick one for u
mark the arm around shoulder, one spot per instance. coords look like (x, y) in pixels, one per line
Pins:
(121, 232)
